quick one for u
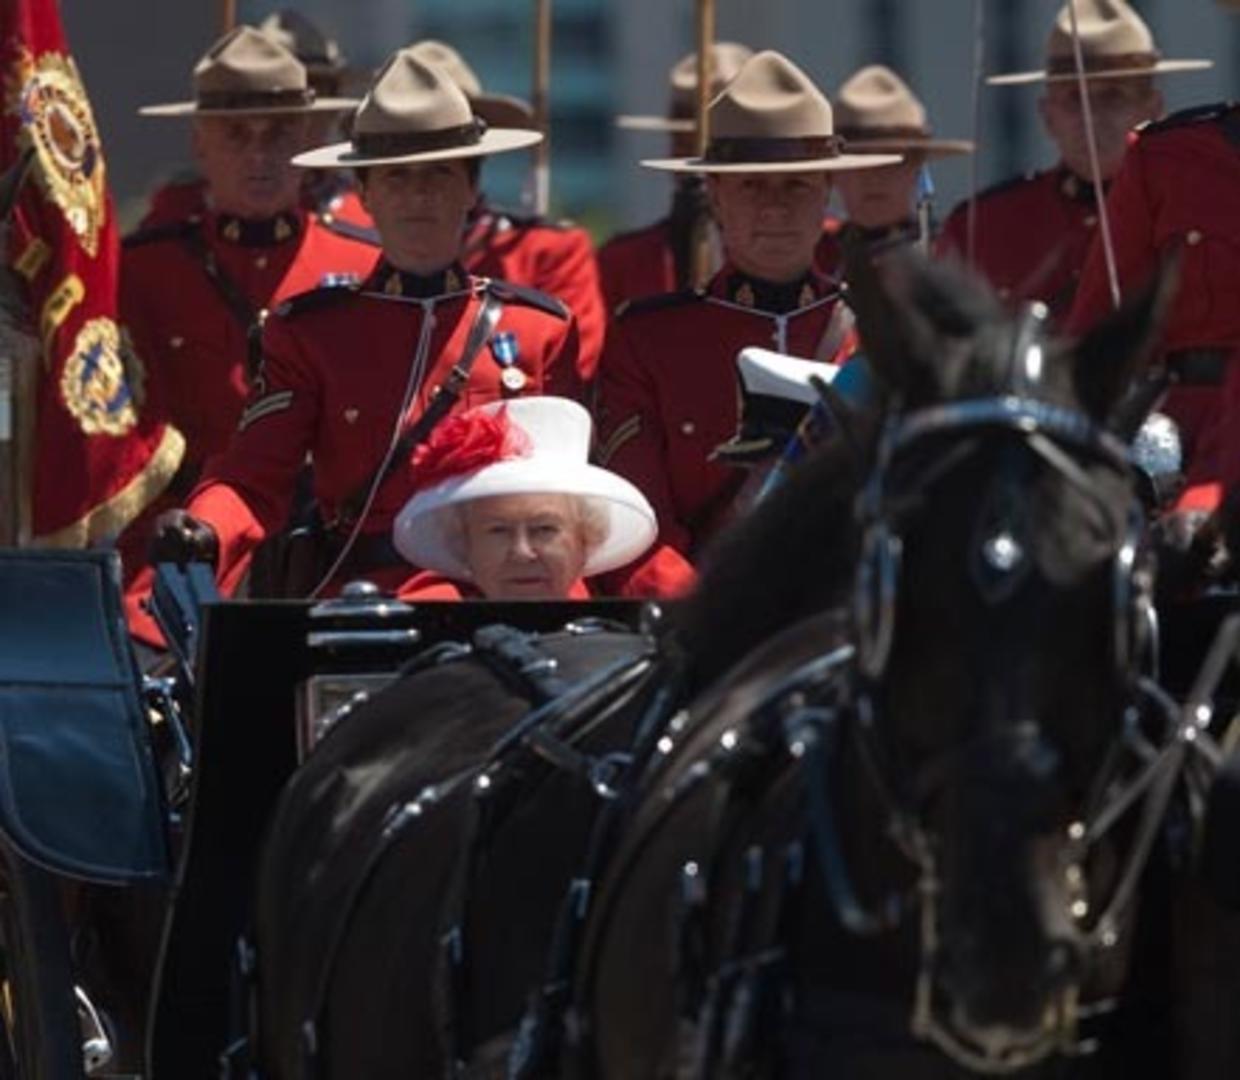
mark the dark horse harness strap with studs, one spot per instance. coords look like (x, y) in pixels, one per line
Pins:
(544, 736)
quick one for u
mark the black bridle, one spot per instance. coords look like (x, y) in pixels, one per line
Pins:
(1139, 772)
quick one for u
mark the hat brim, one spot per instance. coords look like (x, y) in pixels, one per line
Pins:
(1163, 67)
(656, 123)
(503, 111)
(422, 531)
(493, 141)
(839, 163)
(191, 108)
(928, 148)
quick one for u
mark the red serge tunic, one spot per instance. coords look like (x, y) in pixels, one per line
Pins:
(556, 259)
(1032, 235)
(669, 392)
(192, 338)
(336, 366)
(1179, 191)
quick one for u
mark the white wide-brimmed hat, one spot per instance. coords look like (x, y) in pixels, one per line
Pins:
(526, 446)
(1115, 44)
(726, 59)
(771, 118)
(247, 73)
(415, 112)
(877, 113)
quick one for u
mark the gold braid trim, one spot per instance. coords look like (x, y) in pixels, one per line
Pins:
(105, 521)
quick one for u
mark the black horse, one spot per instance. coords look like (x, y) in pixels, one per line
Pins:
(428, 872)
(919, 856)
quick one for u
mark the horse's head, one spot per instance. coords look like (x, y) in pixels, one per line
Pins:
(1000, 601)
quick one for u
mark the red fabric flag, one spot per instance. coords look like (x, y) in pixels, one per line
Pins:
(88, 458)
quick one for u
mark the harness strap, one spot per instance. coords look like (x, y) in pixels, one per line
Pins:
(518, 660)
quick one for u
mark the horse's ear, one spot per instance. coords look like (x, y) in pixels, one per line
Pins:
(891, 338)
(1116, 352)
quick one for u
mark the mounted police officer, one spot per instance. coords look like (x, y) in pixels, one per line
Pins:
(658, 258)
(192, 289)
(355, 375)
(329, 195)
(1031, 234)
(1176, 194)
(876, 112)
(668, 383)
(554, 257)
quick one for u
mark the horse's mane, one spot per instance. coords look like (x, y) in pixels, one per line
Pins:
(789, 559)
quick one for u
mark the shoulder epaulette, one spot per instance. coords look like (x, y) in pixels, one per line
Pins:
(658, 301)
(164, 230)
(1197, 115)
(315, 299)
(363, 234)
(523, 294)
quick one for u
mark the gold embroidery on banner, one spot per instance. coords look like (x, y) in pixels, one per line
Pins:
(96, 384)
(47, 97)
(56, 308)
(106, 520)
(31, 262)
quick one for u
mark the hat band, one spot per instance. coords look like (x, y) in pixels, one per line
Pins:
(1066, 65)
(760, 151)
(890, 132)
(254, 99)
(398, 143)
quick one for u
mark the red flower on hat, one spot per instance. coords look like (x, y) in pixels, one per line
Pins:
(466, 443)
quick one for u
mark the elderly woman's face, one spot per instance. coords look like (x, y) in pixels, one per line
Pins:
(524, 547)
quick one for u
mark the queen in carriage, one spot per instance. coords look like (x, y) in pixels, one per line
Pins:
(507, 507)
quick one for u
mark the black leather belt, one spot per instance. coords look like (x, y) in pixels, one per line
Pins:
(1198, 367)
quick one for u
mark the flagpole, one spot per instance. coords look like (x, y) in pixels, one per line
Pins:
(228, 15)
(542, 105)
(703, 255)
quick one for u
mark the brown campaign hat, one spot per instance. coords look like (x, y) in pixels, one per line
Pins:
(1115, 44)
(498, 110)
(246, 73)
(726, 59)
(772, 119)
(325, 63)
(415, 112)
(877, 113)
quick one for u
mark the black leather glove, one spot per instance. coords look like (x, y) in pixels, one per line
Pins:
(182, 538)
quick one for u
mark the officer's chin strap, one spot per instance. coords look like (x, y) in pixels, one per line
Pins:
(1095, 168)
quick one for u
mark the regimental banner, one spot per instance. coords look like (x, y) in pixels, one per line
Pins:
(82, 453)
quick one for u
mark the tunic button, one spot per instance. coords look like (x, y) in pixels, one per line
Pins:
(688, 427)
(176, 342)
(1090, 221)
(1193, 237)
(261, 262)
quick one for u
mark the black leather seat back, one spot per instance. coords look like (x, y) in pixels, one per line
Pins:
(79, 790)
